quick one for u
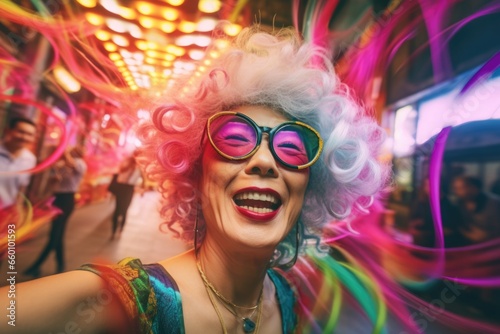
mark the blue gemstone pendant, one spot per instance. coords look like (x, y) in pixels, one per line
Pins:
(248, 325)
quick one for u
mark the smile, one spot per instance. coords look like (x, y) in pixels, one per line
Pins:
(255, 202)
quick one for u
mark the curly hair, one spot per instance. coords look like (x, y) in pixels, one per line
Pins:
(277, 70)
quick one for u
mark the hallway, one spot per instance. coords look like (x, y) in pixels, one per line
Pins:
(88, 233)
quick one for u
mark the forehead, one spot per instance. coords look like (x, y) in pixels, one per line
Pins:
(262, 115)
(25, 127)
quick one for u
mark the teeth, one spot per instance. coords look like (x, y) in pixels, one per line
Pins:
(257, 196)
(258, 210)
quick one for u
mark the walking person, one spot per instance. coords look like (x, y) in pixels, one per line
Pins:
(68, 173)
(127, 179)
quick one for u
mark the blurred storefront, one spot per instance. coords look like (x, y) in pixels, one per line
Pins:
(472, 148)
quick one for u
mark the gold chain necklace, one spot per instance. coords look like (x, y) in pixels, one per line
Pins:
(249, 326)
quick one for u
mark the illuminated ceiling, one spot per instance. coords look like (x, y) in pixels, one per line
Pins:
(152, 42)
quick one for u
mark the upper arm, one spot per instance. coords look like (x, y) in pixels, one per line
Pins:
(73, 302)
(80, 166)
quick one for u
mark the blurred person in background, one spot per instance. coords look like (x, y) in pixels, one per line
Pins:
(123, 187)
(480, 211)
(15, 156)
(67, 175)
(481, 215)
(422, 223)
(495, 186)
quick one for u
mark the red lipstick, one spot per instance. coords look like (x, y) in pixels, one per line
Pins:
(265, 216)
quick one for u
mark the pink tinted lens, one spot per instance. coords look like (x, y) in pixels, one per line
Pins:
(233, 135)
(288, 143)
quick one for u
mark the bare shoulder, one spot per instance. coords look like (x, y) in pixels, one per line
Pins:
(182, 269)
(181, 265)
(60, 303)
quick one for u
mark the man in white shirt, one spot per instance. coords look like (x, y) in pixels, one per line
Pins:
(15, 157)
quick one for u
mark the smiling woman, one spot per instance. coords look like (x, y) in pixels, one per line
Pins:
(253, 159)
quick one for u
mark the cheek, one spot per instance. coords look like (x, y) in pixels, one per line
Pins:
(298, 184)
(216, 174)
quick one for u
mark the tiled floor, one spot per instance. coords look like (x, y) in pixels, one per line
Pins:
(88, 233)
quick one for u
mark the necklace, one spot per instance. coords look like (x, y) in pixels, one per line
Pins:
(249, 326)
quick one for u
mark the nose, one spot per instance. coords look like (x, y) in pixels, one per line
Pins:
(262, 162)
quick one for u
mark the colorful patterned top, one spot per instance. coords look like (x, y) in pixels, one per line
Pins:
(151, 299)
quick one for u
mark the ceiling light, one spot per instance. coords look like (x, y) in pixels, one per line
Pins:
(138, 56)
(170, 14)
(147, 68)
(175, 50)
(206, 24)
(221, 43)
(66, 80)
(175, 2)
(103, 35)
(125, 53)
(179, 64)
(209, 6)
(141, 45)
(114, 56)
(127, 13)
(187, 27)
(145, 8)
(152, 54)
(202, 41)
(146, 22)
(116, 25)
(94, 19)
(158, 37)
(88, 3)
(185, 40)
(196, 54)
(131, 61)
(110, 47)
(135, 31)
(232, 29)
(169, 57)
(120, 40)
(189, 66)
(167, 27)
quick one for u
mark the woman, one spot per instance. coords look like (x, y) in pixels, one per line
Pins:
(252, 162)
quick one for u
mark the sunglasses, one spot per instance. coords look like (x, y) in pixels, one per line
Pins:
(236, 136)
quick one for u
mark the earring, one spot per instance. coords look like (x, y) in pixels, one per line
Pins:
(297, 244)
(196, 231)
